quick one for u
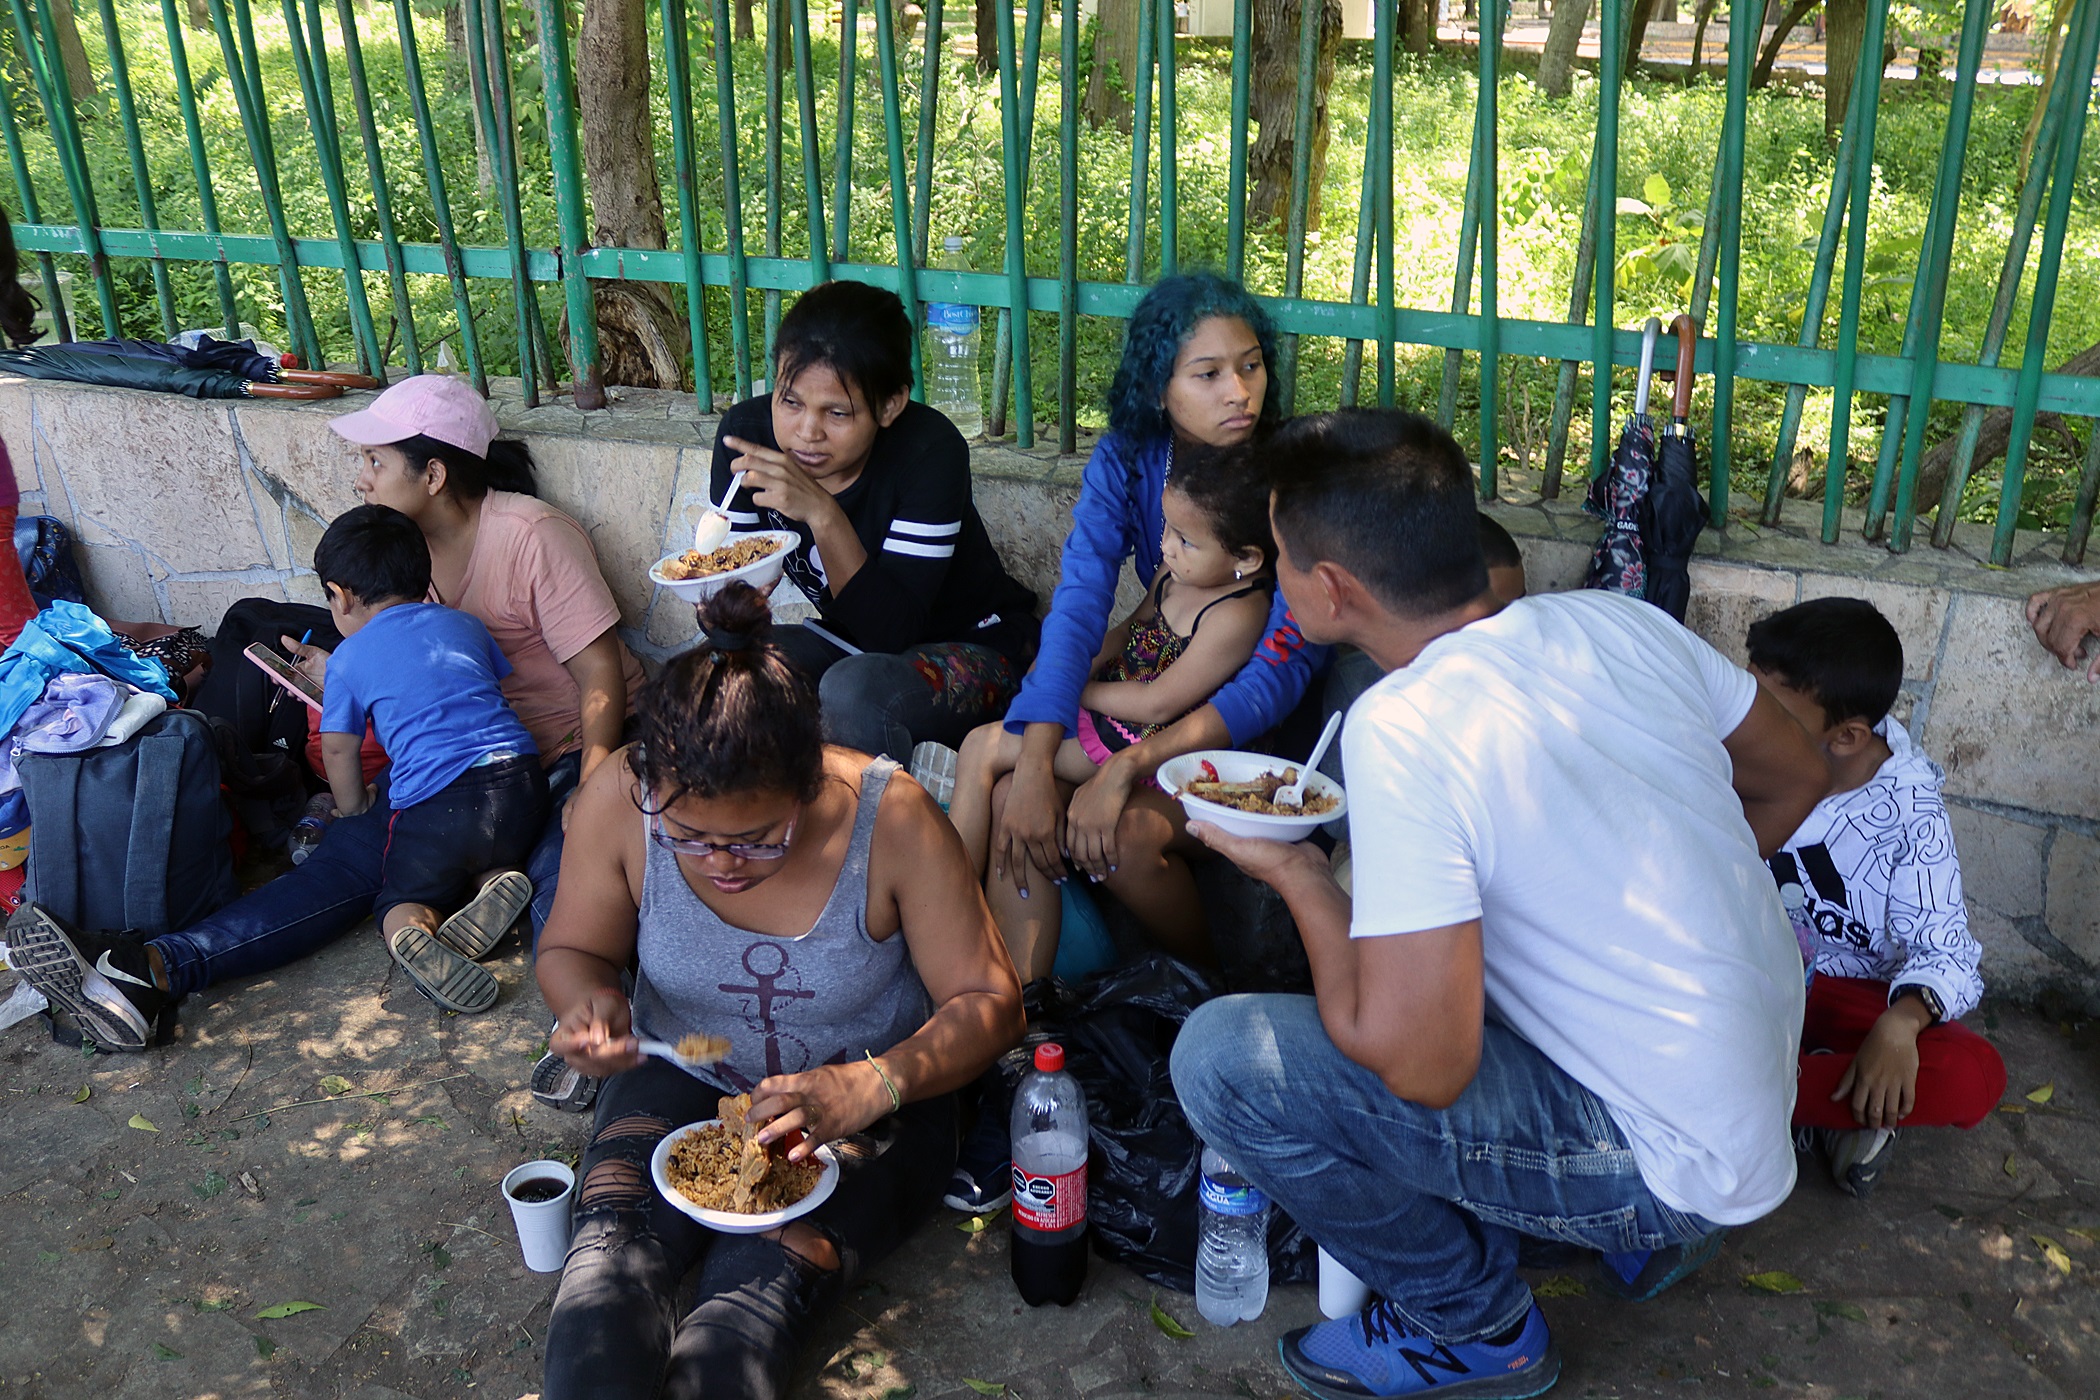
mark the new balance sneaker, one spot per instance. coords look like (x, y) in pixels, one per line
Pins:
(1638, 1275)
(1374, 1354)
(561, 1086)
(984, 1169)
(1858, 1157)
(102, 984)
(933, 768)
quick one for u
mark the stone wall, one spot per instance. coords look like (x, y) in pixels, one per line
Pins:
(181, 507)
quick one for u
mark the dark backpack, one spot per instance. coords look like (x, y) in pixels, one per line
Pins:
(45, 547)
(235, 690)
(133, 836)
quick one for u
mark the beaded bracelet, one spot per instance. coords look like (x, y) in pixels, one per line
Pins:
(896, 1099)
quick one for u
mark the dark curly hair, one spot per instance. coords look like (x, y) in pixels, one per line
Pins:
(1231, 487)
(1162, 323)
(732, 715)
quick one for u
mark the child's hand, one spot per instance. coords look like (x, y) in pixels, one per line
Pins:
(309, 660)
(1882, 1082)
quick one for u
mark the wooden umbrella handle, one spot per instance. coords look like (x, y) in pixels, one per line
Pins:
(342, 380)
(258, 390)
(1687, 332)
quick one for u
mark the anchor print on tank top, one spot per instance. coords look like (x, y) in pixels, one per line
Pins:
(774, 985)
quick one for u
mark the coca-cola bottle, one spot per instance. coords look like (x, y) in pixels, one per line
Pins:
(1049, 1146)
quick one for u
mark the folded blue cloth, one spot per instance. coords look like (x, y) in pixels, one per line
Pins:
(73, 714)
(68, 638)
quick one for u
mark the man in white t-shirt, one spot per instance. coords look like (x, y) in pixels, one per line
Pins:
(1565, 1000)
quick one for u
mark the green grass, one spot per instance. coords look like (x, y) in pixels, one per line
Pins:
(1669, 136)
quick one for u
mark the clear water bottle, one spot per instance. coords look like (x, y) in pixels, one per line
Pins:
(1232, 1251)
(313, 823)
(952, 383)
(1050, 1146)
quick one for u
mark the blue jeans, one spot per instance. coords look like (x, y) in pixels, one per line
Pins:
(544, 866)
(300, 912)
(1425, 1206)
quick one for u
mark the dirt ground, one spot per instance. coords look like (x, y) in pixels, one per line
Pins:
(322, 1137)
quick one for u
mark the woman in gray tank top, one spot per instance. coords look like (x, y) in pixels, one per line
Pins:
(817, 911)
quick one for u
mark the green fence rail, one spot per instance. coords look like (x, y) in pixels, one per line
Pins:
(358, 236)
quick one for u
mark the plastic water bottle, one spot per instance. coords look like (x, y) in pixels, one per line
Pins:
(1232, 1252)
(313, 823)
(952, 383)
(1050, 1146)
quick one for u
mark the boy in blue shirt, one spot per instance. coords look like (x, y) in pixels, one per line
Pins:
(469, 798)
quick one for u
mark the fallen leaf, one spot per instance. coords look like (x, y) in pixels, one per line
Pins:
(1775, 1281)
(2054, 1253)
(1949, 1211)
(1560, 1286)
(986, 1387)
(973, 1226)
(1165, 1322)
(1851, 1312)
(2041, 1095)
(2083, 1233)
(265, 1348)
(222, 1305)
(82, 1096)
(142, 1123)
(214, 1183)
(336, 1084)
(249, 1184)
(166, 1353)
(2012, 1108)
(277, 1310)
(2011, 1167)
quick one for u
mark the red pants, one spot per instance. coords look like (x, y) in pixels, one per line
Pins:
(16, 606)
(1960, 1077)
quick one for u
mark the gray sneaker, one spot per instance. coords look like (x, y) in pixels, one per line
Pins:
(1858, 1157)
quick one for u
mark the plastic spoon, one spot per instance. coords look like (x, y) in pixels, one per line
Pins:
(1293, 794)
(713, 526)
(664, 1050)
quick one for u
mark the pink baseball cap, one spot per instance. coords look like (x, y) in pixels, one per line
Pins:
(427, 405)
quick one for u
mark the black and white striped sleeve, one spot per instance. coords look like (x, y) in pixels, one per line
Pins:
(890, 601)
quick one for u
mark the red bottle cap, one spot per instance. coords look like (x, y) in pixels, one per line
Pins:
(1049, 1057)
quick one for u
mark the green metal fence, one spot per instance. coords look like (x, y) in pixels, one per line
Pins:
(40, 113)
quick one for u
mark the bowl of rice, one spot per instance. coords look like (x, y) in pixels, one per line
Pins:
(1226, 788)
(756, 557)
(695, 1168)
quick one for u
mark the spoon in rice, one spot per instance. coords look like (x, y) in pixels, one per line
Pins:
(691, 1051)
(713, 526)
(1293, 794)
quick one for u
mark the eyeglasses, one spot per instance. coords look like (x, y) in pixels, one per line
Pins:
(739, 850)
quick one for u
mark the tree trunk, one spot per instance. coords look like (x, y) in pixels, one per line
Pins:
(639, 329)
(1997, 436)
(2052, 47)
(1115, 64)
(1563, 36)
(1417, 25)
(1761, 74)
(988, 36)
(1637, 29)
(745, 28)
(79, 76)
(200, 15)
(1704, 17)
(1274, 106)
(1845, 24)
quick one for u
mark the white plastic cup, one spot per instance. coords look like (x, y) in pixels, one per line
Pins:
(1342, 1294)
(543, 1225)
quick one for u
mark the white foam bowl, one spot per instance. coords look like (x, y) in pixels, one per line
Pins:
(727, 1221)
(758, 573)
(1236, 767)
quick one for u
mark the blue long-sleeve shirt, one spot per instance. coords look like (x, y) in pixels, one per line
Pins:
(1117, 516)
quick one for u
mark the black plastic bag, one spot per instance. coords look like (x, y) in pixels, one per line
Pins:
(1118, 1030)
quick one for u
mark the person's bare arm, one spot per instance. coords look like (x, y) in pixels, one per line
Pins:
(340, 755)
(917, 862)
(601, 683)
(2062, 619)
(1780, 774)
(1214, 656)
(590, 934)
(1407, 1006)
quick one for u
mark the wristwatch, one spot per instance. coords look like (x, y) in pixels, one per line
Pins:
(1933, 1006)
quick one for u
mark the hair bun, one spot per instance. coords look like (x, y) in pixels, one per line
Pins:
(737, 618)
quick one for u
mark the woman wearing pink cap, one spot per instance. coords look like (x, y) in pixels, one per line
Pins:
(428, 448)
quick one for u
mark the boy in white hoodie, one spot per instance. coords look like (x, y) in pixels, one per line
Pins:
(1873, 887)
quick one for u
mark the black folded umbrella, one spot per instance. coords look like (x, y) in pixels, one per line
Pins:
(1619, 564)
(1674, 512)
(214, 369)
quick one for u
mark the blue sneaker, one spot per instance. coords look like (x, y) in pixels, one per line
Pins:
(1374, 1354)
(1638, 1275)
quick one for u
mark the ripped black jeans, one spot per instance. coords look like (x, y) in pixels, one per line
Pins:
(624, 1322)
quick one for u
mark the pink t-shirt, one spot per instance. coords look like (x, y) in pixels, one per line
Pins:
(533, 579)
